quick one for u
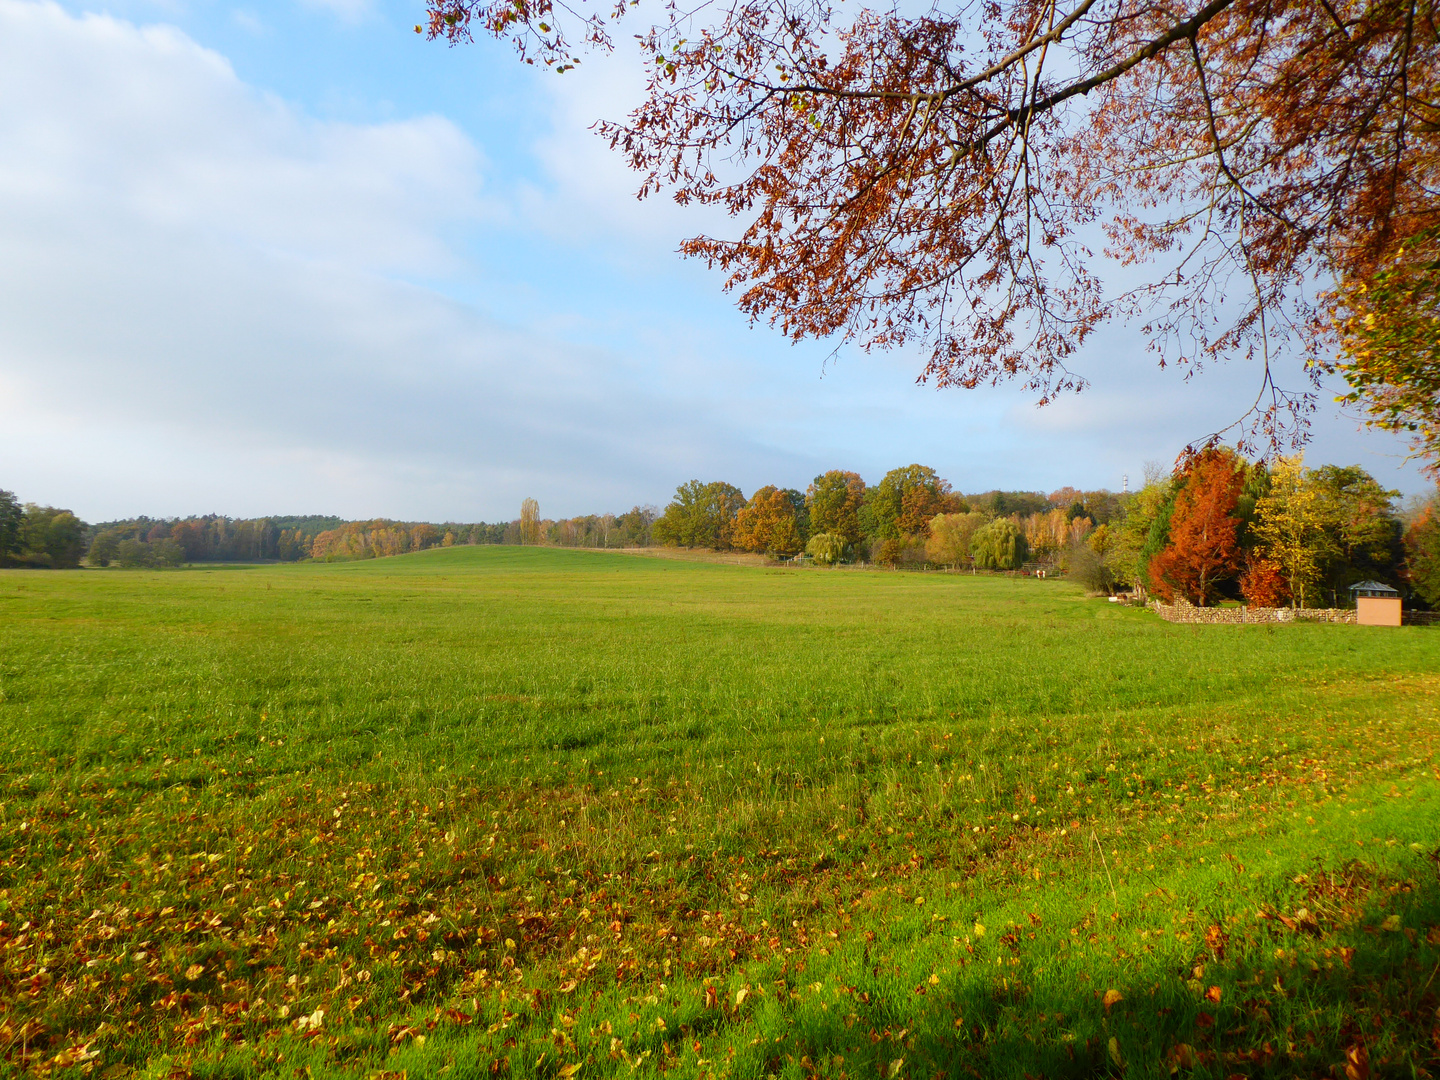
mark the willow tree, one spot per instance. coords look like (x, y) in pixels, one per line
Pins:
(945, 179)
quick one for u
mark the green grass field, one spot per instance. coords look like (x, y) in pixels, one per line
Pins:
(521, 812)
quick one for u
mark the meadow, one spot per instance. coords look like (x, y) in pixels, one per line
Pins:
(527, 812)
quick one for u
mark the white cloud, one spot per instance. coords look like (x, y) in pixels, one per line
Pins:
(196, 273)
(116, 123)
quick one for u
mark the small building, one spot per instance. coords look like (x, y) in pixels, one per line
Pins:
(1376, 604)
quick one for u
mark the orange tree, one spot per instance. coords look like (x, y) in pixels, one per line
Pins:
(943, 179)
(1204, 547)
(1422, 551)
(769, 523)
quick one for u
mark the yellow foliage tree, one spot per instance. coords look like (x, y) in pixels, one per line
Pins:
(1290, 524)
(949, 542)
(768, 523)
(529, 522)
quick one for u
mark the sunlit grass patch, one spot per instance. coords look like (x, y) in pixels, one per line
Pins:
(521, 812)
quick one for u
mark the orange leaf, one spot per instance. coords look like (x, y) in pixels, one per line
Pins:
(1181, 1056)
(1213, 994)
(1111, 997)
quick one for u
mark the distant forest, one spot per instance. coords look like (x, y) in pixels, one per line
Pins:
(1217, 527)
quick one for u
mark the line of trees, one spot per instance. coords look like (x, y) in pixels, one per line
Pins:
(375, 539)
(151, 542)
(912, 516)
(32, 535)
(1217, 527)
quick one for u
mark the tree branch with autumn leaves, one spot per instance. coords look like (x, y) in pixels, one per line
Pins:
(937, 180)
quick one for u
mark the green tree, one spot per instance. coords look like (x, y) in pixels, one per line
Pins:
(999, 545)
(903, 503)
(132, 553)
(1364, 537)
(11, 515)
(835, 500)
(634, 526)
(1004, 503)
(1143, 530)
(52, 537)
(105, 548)
(701, 515)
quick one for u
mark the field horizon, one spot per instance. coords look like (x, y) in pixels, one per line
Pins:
(484, 811)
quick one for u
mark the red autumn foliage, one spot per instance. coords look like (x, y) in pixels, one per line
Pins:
(1204, 547)
(1263, 584)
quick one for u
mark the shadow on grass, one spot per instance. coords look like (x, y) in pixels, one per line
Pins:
(1345, 986)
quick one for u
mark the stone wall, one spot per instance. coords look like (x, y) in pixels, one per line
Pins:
(1182, 611)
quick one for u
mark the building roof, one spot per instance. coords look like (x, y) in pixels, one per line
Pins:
(1373, 588)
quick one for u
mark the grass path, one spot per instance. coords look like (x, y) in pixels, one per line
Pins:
(498, 811)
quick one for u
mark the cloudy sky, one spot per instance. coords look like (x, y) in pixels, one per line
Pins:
(287, 257)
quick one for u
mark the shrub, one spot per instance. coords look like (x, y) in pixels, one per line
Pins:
(136, 554)
(887, 552)
(1089, 567)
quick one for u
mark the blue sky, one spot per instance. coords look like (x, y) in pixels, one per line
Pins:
(289, 257)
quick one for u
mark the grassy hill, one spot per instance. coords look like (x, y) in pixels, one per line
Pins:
(499, 811)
